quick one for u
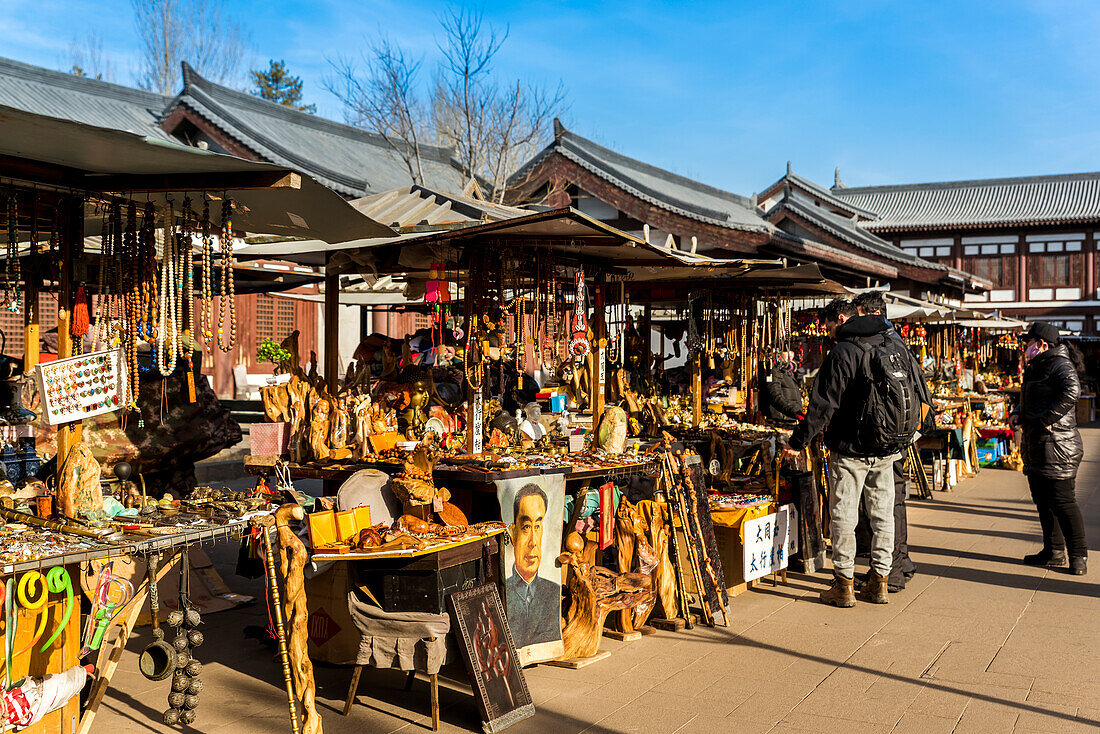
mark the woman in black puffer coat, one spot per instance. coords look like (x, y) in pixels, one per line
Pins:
(1051, 447)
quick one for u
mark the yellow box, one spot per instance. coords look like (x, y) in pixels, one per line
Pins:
(322, 528)
(362, 517)
(345, 525)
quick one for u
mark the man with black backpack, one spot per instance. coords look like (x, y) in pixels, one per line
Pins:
(864, 399)
(903, 568)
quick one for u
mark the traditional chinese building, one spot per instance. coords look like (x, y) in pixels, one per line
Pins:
(1034, 238)
(793, 218)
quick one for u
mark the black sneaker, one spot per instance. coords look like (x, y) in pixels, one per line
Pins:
(1078, 565)
(1048, 558)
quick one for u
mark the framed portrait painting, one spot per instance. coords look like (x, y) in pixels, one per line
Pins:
(533, 509)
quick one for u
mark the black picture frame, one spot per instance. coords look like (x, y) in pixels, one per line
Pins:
(490, 657)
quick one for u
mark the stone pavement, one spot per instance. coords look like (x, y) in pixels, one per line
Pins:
(976, 643)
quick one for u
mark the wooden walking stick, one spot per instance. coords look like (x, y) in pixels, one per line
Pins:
(265, 524)
(718, 586)
(676, 496)
(674, 548)
(292, 561)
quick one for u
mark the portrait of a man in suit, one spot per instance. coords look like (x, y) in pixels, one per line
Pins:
(533, 602)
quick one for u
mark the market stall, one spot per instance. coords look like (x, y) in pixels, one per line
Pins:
(81, 555)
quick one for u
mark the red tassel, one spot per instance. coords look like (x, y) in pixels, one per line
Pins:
(81, 324)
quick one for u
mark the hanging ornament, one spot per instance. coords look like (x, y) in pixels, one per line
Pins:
(579, 345)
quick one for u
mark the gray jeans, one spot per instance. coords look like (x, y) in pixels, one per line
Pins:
(871, 478)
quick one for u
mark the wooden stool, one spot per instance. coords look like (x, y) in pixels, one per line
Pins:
(433, 681)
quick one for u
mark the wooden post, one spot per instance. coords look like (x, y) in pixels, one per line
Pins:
(332, 327)
(598, 355)
(71, 234)
(475, 399)
(647, 336)
(696, 388)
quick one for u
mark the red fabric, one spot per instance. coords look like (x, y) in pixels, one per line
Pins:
(987, 433)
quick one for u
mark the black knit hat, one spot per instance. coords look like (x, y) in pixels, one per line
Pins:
(1042, 330)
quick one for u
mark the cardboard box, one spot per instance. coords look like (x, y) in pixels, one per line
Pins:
(333, 637)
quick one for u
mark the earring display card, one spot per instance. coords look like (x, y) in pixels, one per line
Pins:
(81, 387)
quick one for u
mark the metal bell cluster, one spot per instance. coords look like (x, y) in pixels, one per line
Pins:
(186, 684)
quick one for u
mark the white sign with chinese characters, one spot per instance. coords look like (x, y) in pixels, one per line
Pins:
(769, 542)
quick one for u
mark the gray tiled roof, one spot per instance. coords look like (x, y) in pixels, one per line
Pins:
(850, 232)
(70, 97)
(1066, 198)
(821, 193)
(670, 191)
(347, 159)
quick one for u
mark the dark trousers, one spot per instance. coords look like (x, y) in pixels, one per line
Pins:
(1059, 515)
(903, 567)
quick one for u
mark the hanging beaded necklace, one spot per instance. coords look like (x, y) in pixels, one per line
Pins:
(147, 265)
(168, 323)
(13, 297)
(206, 313)
(228, 289)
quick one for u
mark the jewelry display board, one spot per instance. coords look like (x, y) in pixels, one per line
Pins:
(81, 387)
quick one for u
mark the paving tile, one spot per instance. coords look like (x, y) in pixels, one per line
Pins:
(980, 717)
(1053, 718)
(940, 700)
(913, 723)
(832, 725)
(642, 720)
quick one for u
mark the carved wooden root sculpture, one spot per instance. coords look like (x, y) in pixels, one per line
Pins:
(631, 543)
(594, 593)
(664, 575)
(292, 561)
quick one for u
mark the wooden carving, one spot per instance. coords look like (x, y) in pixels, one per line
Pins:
(635, 554)
(78, 490)
(292, 561)
(595, 592)
(318, 430)
(664, 575)
(361, 410)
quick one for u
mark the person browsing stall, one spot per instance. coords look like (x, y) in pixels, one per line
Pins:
(902, 568)
(780, 398)
(864, 402)
(533, 602)
(1051, 446)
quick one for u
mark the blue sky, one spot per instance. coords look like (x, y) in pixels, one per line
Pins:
(725, 92)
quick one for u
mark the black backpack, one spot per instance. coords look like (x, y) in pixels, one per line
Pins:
(891, 413)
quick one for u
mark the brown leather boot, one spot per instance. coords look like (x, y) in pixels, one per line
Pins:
(875, 589)
(841, 593)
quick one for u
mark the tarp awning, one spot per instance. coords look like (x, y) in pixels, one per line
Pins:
(272, 199)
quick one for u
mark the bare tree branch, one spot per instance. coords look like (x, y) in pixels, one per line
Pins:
(384, 99)
(200, 32)
(87, 58)
(491, 127)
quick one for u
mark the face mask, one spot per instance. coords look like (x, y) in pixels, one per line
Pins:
(1032, 351)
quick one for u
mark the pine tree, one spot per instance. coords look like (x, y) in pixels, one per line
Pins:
(276, 84)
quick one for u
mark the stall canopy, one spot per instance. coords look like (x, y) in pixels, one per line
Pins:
(70, 156)
(428, 223)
